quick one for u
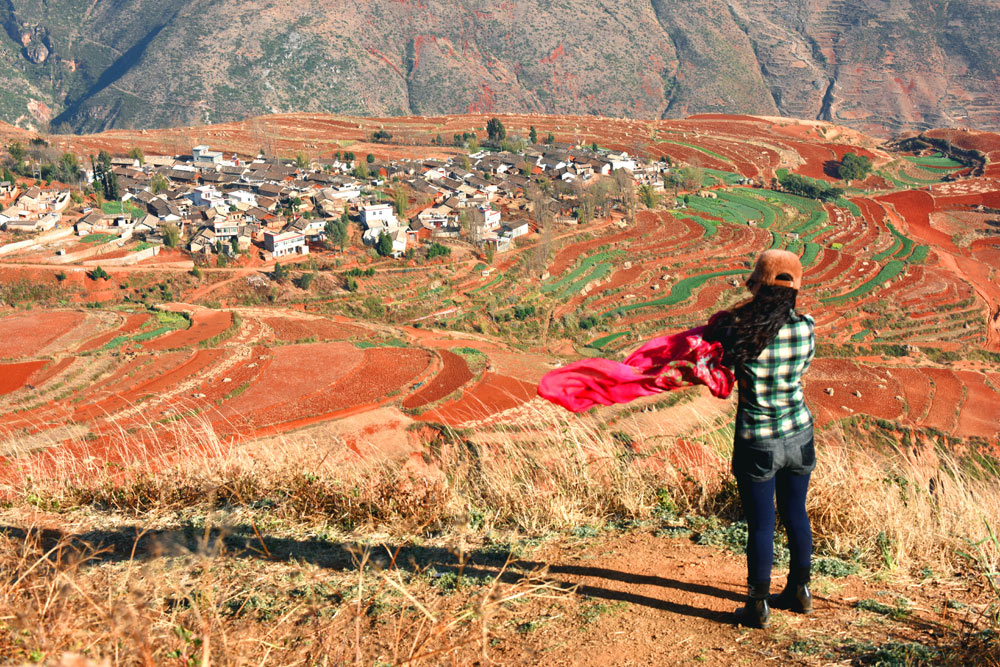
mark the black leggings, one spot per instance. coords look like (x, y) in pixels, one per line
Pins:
(758, 508)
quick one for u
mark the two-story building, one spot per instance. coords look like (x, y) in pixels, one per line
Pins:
(280, 244)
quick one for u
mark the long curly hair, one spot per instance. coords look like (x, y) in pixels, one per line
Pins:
(748, 329)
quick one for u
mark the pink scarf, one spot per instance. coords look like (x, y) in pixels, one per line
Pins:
(665, 363)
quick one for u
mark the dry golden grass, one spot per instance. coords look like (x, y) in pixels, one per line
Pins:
(145, 562)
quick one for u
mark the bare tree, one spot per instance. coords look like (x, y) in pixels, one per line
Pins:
(625, 186)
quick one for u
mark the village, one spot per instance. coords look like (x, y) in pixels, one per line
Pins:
(221, 207)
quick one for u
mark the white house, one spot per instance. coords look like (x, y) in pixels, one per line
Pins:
(207, 195)
(515, 229)
(375, 213)
(621, 161)
(398, 242)
(285, 243)
(205, 154)
(226, 229)
(487, 217)
(241, 197)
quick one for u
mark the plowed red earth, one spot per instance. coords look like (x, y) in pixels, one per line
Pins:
(26, 334)
(13, 376)
(349, 378)
(453, 375)
(494, 393)
(287, 329)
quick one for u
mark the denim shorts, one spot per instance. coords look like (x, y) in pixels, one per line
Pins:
(760, 460)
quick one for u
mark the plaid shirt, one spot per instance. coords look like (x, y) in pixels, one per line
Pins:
(772, 404)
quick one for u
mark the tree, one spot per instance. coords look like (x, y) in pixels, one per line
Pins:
(381, 135)
(854, 167)
(99, 274)
(369, 158)
(305, 281)
(171, 236)
(280, 272)
(336, 232)
(234, 245)
(401, 202)
(351, 285)
(361, 171)
(593, 146)
(137, 154)
(105, 179)
(302, 160)
(495, 130)
(551, 139)
(384, 245)
(533, 135)
(489, 251)
(648, 196)
(69, 168)
(159, 183)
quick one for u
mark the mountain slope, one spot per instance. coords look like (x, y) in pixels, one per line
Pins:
(880, 65)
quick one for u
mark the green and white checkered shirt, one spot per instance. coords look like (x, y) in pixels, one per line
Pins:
(772, 404)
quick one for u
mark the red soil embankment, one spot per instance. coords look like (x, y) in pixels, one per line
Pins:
(494, 393)
(453, 375)
(205, 324)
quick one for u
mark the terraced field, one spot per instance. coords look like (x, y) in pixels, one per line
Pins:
(907, 310)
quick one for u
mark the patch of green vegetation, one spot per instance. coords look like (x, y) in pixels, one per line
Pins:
(604, 340)
(680, 292)
(832, 566)
(861, 335)
(809, 253)
(938, 160)
(888, 272)
(919, 255)
(724, 177)
(567, 281)
(97, 238)
(118, 208)
(899, 611)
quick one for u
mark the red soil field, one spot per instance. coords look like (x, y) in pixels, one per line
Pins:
(26, 334)
(288, 329)
(453, 375)
(366, 379)
(205, 324)
(915, 207)
(846, 377)
(494, 393)
(13, 376)
(296, 371)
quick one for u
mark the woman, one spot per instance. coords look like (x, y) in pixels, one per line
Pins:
(769, 346)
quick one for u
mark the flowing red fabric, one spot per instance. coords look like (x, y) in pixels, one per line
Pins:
(665, 363)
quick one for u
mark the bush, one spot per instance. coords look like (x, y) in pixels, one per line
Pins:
(806, 187)
(438, 250)
(99, 274)
(305, 281)
(280, 273)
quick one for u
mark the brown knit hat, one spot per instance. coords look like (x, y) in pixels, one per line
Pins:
(778, 267)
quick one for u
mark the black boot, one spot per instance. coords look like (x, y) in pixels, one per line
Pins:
(795, 596)
(756, 613)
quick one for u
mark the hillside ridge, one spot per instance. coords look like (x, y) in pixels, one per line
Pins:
(85, 67)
